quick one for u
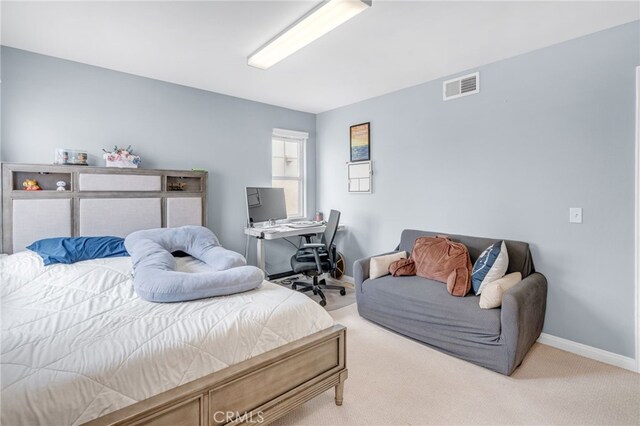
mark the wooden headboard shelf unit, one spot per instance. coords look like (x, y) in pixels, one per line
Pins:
(97, 201)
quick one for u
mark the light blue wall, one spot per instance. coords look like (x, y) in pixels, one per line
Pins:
(49, 103)
(549, 130)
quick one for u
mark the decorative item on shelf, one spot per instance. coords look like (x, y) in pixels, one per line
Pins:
(62, 185)
(177, 186)
(31, 185)
(359, 142)
(121, 157)
(71, 157)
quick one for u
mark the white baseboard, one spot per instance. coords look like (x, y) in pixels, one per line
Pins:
(588, 351)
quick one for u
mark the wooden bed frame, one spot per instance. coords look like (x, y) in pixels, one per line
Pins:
(256, 391)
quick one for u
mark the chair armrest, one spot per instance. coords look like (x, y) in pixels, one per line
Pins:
(312, 245)
(522, 316)
(361, 268)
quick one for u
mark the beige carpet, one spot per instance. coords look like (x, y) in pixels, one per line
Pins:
(396, 381)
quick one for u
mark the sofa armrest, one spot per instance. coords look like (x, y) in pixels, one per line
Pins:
(361, 269)
(522, 316)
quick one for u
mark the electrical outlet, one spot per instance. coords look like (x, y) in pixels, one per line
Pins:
(575, 215)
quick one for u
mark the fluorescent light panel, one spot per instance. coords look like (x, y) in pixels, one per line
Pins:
(314, 25)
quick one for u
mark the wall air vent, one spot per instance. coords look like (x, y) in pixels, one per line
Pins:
(461, 86)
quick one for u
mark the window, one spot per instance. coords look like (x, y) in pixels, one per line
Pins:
(288, 168)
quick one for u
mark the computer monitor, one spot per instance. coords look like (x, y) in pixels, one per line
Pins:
(264, 204)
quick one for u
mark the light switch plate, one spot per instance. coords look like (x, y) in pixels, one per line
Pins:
(575, 215)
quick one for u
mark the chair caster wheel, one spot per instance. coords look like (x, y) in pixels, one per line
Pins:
(293, 286)
(343, 292)
(323, 303)
(315, 293)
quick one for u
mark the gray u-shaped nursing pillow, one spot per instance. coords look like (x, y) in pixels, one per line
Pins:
(154, 267)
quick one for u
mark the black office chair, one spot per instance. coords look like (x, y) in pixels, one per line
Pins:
(314, 259)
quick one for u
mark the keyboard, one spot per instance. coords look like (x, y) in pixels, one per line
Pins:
(270, 226)
(303, 224)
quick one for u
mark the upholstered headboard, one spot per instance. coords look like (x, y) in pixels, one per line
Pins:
(96, 201)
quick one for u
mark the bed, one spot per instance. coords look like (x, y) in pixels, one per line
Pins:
(79, 347)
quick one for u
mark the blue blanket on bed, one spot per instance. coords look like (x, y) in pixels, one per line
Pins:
(154, 267)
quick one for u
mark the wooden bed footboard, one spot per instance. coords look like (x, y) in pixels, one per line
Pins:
(256, 391)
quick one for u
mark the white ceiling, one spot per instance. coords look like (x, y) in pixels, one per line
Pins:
(392, 45)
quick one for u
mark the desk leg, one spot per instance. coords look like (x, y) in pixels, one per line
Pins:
(262, 264)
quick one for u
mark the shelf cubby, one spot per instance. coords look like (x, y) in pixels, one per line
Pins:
(46, 180)
(183, 184)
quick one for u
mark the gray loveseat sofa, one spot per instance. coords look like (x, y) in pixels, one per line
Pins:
(497, 339)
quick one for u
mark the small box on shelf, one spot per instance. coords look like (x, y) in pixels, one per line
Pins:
(127, 164)
(122, 158)
(71, 157)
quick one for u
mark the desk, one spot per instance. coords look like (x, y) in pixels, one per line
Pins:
(277, 232)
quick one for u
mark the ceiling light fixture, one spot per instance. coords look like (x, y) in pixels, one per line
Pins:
(319, 21)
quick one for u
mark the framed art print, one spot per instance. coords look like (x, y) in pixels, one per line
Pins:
(360, 146)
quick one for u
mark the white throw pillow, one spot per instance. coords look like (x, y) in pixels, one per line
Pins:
(379, 265)
(491, 296)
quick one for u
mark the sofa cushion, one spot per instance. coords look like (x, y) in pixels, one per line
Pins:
(491, 296)
(443, 260)
(519, 254)
(380, 264)
(490, 266)
(402, 267)
(417, 300)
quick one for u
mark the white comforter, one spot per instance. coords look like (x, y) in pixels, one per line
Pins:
(77, 343)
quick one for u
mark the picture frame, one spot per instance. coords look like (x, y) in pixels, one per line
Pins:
(360, 142)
